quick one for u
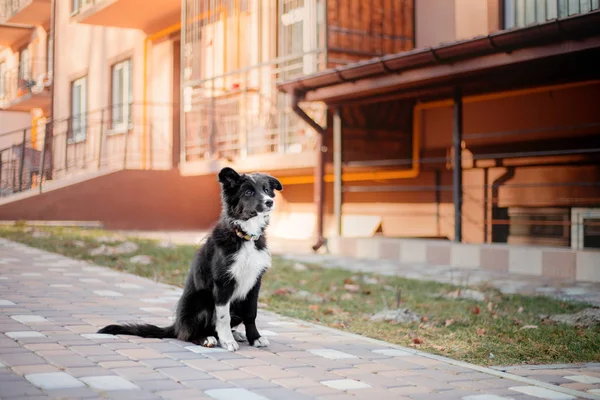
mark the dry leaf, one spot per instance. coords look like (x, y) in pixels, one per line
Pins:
(439, 348)
(417, 341)
(476, 310)
(490, 307)
(521, 309)
(339, 325)
(424, 318)
(449, 322)
(314, 307)
(348, 281)
(281, 291)
(481, 332)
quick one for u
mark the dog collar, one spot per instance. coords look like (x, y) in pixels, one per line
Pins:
(246, 236)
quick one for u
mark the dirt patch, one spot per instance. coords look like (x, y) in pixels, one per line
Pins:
(584, 318)
(399, 316)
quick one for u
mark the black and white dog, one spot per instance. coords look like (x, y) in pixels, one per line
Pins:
(221, 290)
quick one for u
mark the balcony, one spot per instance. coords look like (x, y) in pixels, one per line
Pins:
(24, 92)
(30, 12)
(149, 16)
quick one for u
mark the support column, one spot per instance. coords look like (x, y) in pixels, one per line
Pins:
(337, 170)
(457, 195)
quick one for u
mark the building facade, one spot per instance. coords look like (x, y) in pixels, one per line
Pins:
(196, 85)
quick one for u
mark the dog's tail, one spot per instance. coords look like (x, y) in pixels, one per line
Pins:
(142, 330)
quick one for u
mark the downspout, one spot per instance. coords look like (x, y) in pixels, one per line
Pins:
(319, 183)
(49, 133)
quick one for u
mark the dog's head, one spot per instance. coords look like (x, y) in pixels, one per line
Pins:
(247, 195)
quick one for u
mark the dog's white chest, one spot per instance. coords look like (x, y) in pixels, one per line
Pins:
(248, 265)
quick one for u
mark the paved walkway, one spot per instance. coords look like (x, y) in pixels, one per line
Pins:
(51, 307)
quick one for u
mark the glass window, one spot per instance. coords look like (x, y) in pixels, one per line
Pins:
(122, 95)
(79, 109)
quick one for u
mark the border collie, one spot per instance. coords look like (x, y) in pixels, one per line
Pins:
(221, 290)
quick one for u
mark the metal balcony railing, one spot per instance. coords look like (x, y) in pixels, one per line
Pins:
(241, 114)
(520, 13)
(85, 143)
(24, 80)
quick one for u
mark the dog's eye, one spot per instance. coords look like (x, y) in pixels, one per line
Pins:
(266, 190)
(249, 193)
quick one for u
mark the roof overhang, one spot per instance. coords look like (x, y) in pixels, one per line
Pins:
(14, 34)
(150, 16)
(424, 70)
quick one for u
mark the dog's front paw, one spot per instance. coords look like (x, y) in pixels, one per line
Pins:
(261, 342)
(210, 341)
(239, 336)
(229, 346)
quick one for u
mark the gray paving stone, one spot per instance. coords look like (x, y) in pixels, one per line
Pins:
(254, 383)
(542, 393)
(332, 354)
(234, 394)
(161, 363)
(158, 385)
(346, 384)
(18, 388)
(207, 384)
(184, 373)
(54, 380)
(16, 359)
(108, 383)
(24, 334)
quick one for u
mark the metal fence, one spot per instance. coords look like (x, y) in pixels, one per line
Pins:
(59, 149)
(520, 13)
(29, 78)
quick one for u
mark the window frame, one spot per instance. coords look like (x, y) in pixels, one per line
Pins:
(124, 95)
(2, 79)
(81, 116)
(25, 66)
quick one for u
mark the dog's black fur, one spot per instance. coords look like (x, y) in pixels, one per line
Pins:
(226, 270)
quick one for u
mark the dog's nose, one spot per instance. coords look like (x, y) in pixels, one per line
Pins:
(269, 203)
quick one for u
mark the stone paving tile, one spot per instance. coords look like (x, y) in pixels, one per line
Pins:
(108, 383)
(542, 393)
(51, 327)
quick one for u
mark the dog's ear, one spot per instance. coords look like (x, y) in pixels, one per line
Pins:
(228, 177)
(274, 183)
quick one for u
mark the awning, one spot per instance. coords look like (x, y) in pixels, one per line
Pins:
(414, 72)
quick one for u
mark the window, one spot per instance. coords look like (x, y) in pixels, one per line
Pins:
(520, 13)
(49, 53)
(585, 228)
(2, 80)
(78, 130)
(122, 96)
(77, 5)
(25, 64)
(539, 226)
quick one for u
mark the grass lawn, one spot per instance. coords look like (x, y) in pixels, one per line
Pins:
(507, 326)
